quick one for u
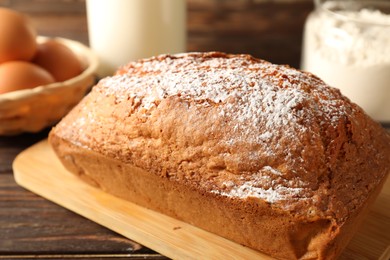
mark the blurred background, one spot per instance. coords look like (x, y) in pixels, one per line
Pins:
(267, 29)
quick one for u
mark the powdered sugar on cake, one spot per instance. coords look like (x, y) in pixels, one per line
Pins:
(248, 93)
(270, 195)
(215, 81)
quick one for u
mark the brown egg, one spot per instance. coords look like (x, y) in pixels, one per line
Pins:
(58, 59)
(16, 75)
(17, 37)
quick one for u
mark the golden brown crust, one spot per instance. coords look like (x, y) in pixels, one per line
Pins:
(261, 142)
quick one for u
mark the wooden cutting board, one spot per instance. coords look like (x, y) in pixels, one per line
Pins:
(38, 170)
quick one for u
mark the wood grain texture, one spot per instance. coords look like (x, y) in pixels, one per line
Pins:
(10, 146)
(161, 233)
(171, 237)
(31, 225)
(271, 30)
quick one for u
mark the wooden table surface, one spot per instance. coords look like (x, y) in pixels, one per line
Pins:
(32, 227)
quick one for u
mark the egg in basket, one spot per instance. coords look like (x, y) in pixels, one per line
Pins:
(41, 78)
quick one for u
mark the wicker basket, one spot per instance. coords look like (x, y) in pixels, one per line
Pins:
(31, 110)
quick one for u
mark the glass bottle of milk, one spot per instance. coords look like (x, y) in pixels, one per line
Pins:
(347, 44)
(124, 30)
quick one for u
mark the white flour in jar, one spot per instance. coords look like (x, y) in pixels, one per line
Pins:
(350, 50)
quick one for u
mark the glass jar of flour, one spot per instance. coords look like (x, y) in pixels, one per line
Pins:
(347, 44)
